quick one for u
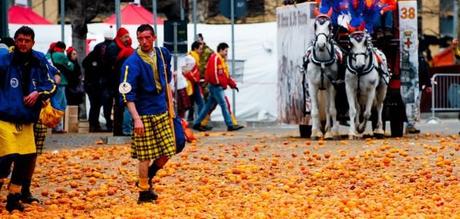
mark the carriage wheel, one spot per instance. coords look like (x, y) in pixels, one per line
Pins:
(305, 131)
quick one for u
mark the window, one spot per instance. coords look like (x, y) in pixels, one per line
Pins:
(446, 18)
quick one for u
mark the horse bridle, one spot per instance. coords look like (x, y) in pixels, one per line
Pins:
(360, 36)
(322, 19)
(324, 63)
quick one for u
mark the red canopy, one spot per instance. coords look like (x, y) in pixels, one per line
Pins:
(24, 15)
(134, 14)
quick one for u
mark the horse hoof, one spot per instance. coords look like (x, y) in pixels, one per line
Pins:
(379, 133)
(316, 135)
(379, 136)
(328, 136)
(315, 138)
(353, 137)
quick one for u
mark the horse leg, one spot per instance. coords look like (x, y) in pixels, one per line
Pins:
(379, 132)
(352, 102)
(333, 132)
(367, 111)
(315, 131)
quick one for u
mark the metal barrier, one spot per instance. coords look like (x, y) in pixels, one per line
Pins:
(445, 94)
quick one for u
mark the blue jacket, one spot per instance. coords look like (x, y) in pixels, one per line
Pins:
(138, 75)
(16, 83)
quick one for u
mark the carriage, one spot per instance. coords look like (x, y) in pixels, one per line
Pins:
(295, 31)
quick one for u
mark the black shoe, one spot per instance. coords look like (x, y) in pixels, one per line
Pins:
(234, 128)
(412, 130)
(147, 196)
(12, 202)
(200, 128)
(207, 128)
(28, 198)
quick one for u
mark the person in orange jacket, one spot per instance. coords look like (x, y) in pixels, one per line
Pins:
(218, 77)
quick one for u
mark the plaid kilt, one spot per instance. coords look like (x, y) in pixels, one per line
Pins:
(40, 134)
(157, 141)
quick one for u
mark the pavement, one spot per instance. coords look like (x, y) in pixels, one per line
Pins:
(74, 140)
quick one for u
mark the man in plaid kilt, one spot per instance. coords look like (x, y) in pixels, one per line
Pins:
(143, 88)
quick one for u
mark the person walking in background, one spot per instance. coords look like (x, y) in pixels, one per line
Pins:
(143, 87)
(74, 90)
(26, 79)
(193, 79)
(97, 77)
(117, 52)
(65, 66)
(218, 79)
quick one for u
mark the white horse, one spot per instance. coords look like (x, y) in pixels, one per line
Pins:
(321, 63)
(366, 80)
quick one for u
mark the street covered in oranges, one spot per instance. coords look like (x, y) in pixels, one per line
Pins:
(256, 175)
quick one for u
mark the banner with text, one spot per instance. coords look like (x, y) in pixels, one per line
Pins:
(295, 33)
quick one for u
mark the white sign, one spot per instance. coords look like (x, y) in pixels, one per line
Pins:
(295, 33)
(408, 36)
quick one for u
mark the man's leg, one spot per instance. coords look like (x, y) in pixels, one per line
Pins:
(94, 111)
(229, 107)
(218, 93)
(118, 110)
(107, 103)
(127, 123)
(145, 193)
(206, 119)
(24, 166)
(26, 195)
(203, 113)
(154, 167)
(413, 117)
(388, 23)
(40, 135)
(198, 97)
(5, 168)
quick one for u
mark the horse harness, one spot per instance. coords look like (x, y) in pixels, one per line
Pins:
(367, 69)
(325, 63)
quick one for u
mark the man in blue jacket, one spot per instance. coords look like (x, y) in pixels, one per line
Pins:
(25, 80)
(144, 77)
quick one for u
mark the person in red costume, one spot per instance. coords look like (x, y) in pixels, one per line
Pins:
(218, 77)
(117, 52)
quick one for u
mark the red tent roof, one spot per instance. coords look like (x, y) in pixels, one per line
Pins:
(24, 15)
(134, 14)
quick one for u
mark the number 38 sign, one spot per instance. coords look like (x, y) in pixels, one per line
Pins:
(408, 36)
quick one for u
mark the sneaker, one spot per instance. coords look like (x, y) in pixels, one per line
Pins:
(147, 196)
(234, 128)
(200, 128)
(12, 202)
(412, 130)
